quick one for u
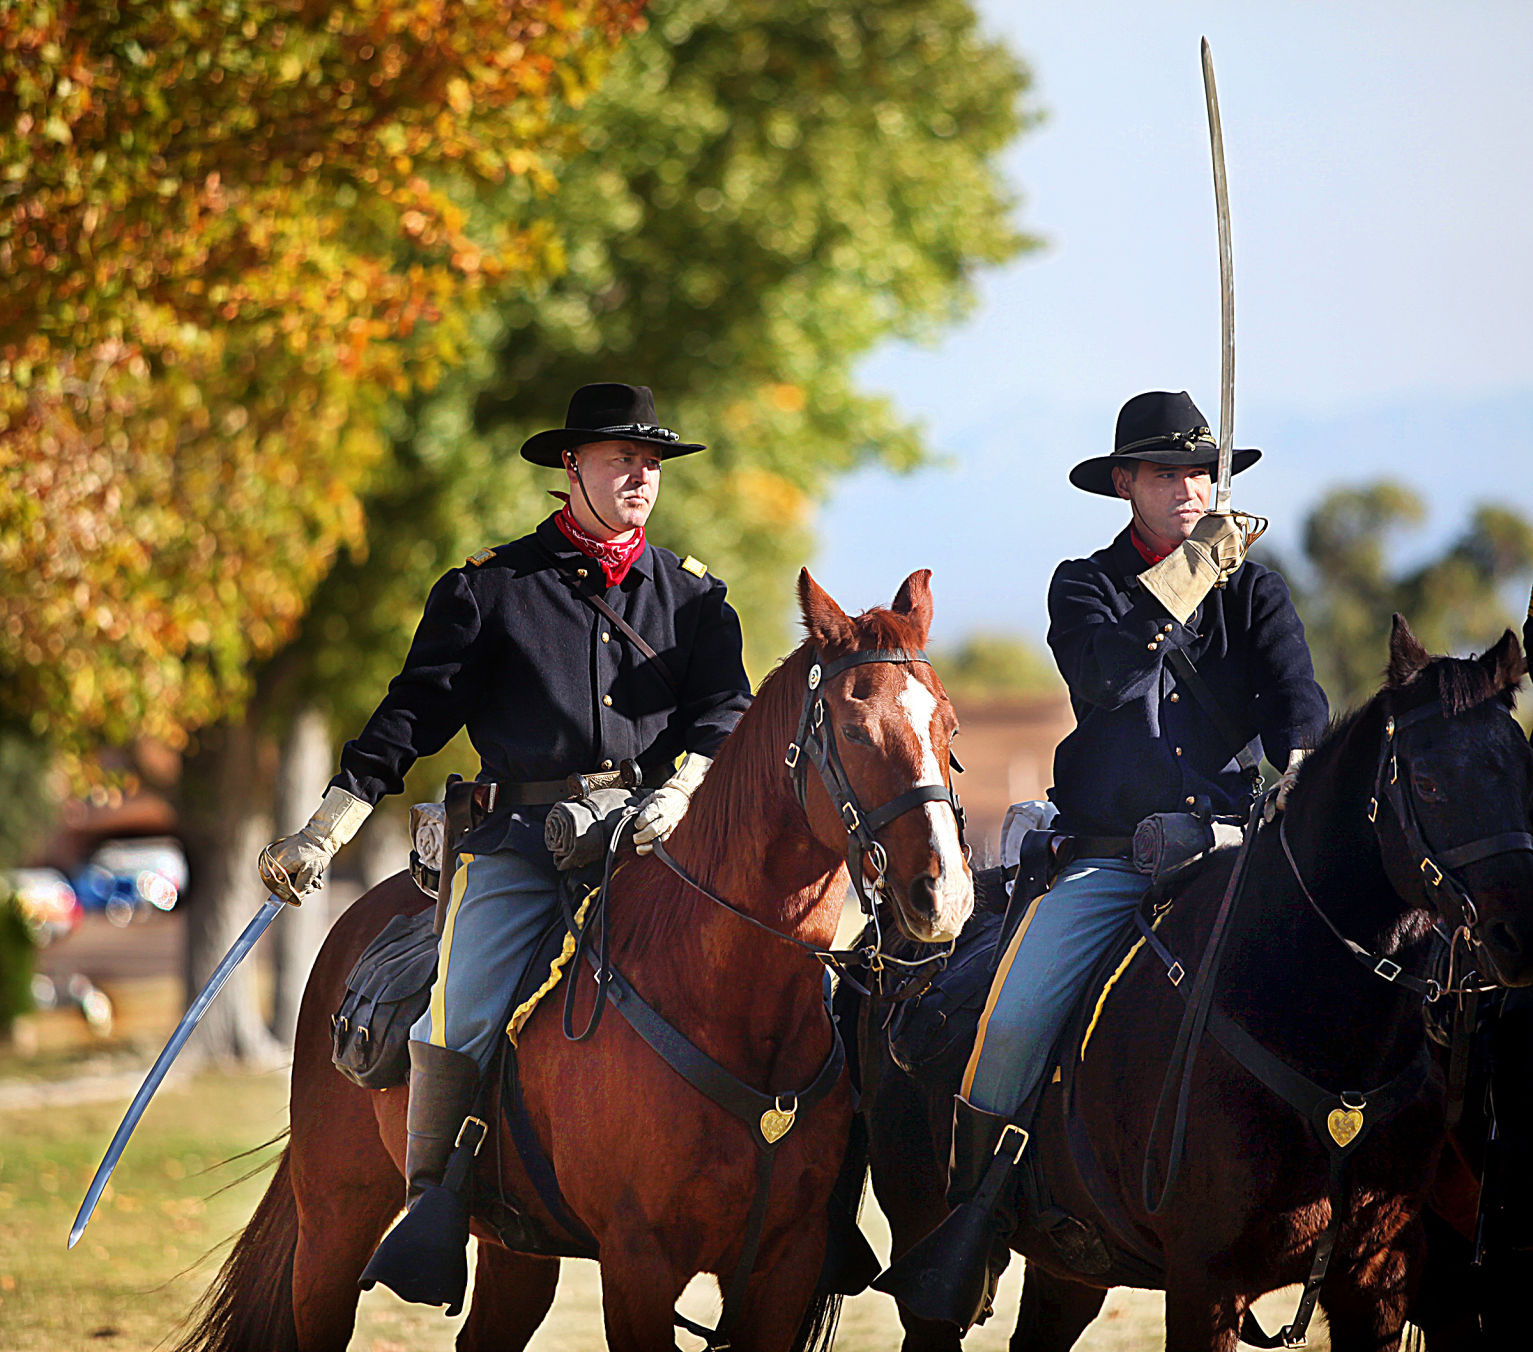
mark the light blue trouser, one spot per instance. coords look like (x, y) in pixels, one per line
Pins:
(499, 906)
(1040, 978)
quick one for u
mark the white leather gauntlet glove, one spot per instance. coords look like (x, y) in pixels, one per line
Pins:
(293, 866)
(1185, 576)
(668, 804)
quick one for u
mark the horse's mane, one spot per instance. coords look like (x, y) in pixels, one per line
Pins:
(730, 806)
(1459, 683)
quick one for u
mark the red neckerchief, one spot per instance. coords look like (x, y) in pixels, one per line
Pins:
(1145, 552)
(616, 557)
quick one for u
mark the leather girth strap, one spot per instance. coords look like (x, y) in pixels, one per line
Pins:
(738, 1099)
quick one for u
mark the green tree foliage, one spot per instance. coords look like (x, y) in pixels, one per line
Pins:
(17, 959)
(1454, 602)
(762, 192)
(997, 667)
(228, 231)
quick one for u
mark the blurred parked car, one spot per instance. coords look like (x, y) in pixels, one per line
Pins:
(49, 904)
(126, 878)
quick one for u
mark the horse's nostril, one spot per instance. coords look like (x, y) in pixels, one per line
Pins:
(1503, 938)
(923, 893)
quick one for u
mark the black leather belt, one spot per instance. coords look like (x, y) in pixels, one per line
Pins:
(1100, 847)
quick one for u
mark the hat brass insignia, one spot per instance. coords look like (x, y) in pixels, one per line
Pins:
(1344, 1124)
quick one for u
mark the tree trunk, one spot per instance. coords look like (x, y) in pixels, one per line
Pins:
(383, 847)
(225, 820)
(305, 768)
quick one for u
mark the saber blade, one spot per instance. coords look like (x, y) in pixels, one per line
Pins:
(269, 911)
(1226, 290)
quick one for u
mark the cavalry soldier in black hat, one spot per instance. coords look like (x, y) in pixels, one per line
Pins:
(1173, 583)
(570, 650)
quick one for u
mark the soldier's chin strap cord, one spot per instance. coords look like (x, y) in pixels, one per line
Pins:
(572, 462)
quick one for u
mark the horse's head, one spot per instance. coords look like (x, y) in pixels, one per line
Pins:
(1457, 772)
(881, 746)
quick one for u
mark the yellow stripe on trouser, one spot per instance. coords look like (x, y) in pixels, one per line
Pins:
(444, 952)
(995, 993)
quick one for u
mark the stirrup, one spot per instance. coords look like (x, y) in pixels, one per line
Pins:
(947, 1276)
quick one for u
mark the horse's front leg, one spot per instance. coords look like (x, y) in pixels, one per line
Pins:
(1201, 1316)
(512, 1296)
(780, 1297)
(1365, 1303)
(1054, 1313)
(640, 1285)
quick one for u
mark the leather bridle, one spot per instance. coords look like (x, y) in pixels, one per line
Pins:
(1443, 891)
(816, 741)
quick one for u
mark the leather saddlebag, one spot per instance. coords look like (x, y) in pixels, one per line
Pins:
(386, 992)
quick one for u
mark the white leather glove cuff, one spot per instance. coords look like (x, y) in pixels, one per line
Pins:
(337, 819)
(1182, 579)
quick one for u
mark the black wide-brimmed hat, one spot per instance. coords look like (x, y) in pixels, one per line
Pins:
(1166, 428)
(606, 411)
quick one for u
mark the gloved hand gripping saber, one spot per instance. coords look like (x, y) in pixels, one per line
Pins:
(1253, 526)
(189, 1021)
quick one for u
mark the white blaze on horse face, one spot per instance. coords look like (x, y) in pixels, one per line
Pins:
(955, 891)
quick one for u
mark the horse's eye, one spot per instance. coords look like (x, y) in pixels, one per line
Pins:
(855, 732)
(1426, 786)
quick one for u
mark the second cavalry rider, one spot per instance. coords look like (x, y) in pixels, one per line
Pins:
(515, 645)
(1173, 585)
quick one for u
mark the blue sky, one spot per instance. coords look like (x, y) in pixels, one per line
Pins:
(1380, 160)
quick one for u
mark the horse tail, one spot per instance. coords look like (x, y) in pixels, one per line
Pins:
(249, 1306)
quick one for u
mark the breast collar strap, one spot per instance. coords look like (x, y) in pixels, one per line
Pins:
(816, 740)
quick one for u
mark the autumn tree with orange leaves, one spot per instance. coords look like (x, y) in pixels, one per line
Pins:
(230, 233)
(226, 236)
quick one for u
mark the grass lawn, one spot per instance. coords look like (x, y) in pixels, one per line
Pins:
(179, 1195)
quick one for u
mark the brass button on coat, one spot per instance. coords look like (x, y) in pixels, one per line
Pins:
(606, 637)
(606, 765)
(1175, 698)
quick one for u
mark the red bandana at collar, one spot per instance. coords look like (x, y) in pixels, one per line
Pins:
(1145, 552)
(616, 557)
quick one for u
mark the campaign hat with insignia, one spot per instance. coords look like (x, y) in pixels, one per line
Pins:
(606, 411)
(1165, 428)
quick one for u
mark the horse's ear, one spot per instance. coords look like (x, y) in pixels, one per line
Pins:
(914, 602)
(1407, 658)
(824, 620)
(1506, 663)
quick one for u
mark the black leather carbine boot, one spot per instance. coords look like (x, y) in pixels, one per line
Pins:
(948, 1275)
(424, 1258)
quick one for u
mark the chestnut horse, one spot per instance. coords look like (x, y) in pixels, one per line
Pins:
(1412, 813)
(659, 1175)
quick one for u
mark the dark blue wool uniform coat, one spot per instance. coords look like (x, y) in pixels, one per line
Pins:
(1142, 742)
(548, 687)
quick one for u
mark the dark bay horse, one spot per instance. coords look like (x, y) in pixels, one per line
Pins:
(660, 1176)
(1413, 813)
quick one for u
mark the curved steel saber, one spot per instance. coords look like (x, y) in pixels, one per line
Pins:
(253, 931)
(1226, 290)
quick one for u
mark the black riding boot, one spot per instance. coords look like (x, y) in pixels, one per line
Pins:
(424, 1258)
(948, 1275)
